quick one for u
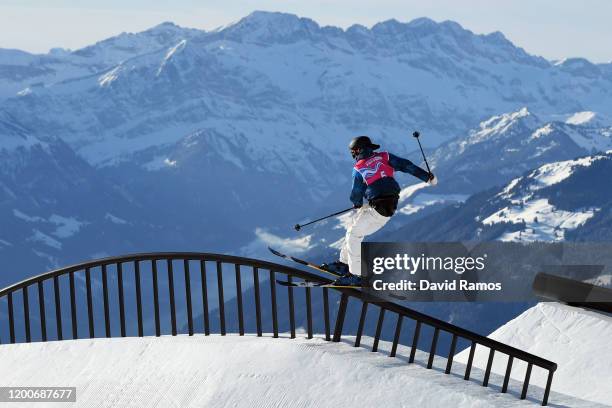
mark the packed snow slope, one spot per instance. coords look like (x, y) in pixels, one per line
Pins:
(577, 340)
(246, 371)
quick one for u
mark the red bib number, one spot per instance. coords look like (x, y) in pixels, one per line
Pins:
(374, 167)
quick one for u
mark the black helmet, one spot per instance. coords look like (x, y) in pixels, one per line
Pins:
(359, 143)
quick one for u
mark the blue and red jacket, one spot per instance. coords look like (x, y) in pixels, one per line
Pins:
(373, 175)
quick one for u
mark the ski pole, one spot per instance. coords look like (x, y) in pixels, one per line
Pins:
(416, 136)
(298, 226)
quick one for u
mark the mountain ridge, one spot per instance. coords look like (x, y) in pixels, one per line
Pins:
(184, 117)
(557, 201)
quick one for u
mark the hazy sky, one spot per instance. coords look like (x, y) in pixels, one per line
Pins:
(551, 28)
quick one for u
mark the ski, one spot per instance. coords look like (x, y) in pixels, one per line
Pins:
(313, 285)
(318, 268)
(302, 262)
(327, 285)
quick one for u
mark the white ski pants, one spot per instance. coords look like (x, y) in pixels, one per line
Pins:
(365, 221)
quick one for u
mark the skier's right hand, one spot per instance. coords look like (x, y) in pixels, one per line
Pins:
(357, 206)
(432, 180)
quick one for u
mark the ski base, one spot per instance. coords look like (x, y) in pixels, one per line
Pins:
(316, 285)
(302, 262)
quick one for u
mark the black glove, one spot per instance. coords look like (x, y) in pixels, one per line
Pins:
(432, 180)
(356, 206)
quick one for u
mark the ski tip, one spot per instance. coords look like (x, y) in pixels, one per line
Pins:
(298, 261)
(275, 252)
(398, 297)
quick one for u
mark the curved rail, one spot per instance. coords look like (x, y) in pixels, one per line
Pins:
(86, 282)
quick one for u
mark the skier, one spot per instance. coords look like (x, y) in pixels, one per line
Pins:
(372, 179)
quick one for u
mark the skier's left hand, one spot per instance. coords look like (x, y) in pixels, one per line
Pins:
(432, 180)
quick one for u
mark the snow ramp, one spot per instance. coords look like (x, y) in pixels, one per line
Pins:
(243, 371)
(578, 338)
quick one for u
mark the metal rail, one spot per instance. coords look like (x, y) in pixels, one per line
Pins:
(119, 273)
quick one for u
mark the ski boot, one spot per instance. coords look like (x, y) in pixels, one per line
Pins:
(349, 280)
(337, 267)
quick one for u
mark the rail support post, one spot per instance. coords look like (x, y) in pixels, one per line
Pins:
(547, 390)
(340, 317)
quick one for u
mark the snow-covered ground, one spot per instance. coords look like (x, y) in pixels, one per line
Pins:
(577, 340)
(543, 220)
(235, 371)
(423, 200)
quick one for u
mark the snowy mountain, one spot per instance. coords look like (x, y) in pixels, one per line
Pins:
(230, 134)
(22, 73)
(499, 150)
(505, 146)
(566, 200)
(56, 209)
(297, 83)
